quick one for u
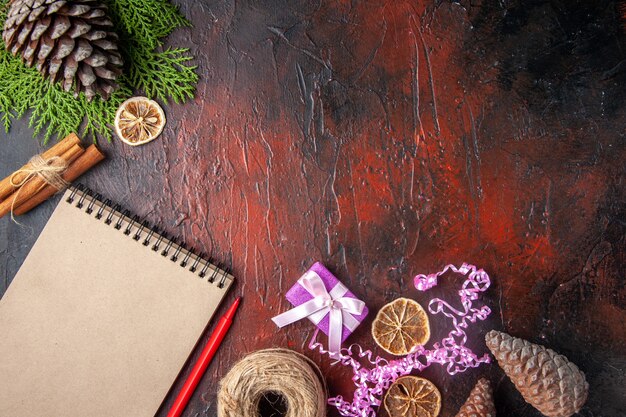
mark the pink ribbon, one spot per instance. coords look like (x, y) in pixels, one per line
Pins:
(341, 309)
(372, 376)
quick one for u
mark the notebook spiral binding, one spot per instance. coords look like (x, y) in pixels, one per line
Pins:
(112, 214)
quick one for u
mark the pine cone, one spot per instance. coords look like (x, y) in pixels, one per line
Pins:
(72, 42)
(547, 381)
(480, 402)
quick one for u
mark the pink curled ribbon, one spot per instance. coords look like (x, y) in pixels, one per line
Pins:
(374, 378)
(340, 309)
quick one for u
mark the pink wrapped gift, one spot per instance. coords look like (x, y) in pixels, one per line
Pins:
(319, 296)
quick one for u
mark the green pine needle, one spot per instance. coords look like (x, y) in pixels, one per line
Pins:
(158, 72)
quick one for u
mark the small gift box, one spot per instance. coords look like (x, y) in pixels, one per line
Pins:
(319, 296)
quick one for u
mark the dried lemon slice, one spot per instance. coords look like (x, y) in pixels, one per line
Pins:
(139, 120)
(401, 326)
(411, 396)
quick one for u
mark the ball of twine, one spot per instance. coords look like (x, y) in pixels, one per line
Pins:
(282, 373)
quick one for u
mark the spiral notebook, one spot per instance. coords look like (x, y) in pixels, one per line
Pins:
(102, 315)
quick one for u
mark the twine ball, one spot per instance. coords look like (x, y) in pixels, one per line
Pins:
(276, 373)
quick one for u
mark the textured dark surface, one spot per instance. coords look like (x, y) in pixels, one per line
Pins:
(386, 140)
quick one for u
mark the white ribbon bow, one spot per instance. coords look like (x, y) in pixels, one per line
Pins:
(340, 308)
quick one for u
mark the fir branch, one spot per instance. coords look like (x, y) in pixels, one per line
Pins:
(162, 74)
(146, 22)
(64, 120)
(177, 80)
(99, 114)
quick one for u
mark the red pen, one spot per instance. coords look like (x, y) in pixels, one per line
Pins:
(203, 361)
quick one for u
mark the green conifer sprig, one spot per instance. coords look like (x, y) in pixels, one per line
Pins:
(161, 73)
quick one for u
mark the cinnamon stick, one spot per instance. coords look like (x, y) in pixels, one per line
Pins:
(83, 163)
(35, 184)
(57, 150)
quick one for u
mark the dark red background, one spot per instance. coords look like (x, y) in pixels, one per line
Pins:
(388, 139)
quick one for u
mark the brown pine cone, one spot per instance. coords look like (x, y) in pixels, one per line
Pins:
(547, 381)
(71, 42)
(480, 401)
